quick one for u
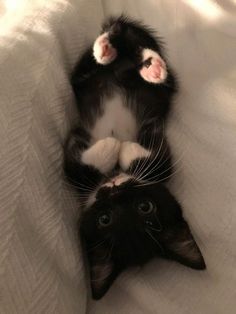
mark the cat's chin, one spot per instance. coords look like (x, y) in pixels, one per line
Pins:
(117, 180)
(111, 183)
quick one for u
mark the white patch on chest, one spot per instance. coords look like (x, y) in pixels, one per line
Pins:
(117, 120)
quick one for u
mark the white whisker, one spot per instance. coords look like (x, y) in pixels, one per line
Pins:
(138, 170)
(154, 157)
(154, 239)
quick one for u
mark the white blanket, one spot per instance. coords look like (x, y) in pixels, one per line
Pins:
(41, 266)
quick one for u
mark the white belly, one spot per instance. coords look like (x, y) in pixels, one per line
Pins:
(117, 121)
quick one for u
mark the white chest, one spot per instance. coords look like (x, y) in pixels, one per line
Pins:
(117, 121)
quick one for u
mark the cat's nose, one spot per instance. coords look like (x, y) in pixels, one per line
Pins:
(105, 192)
(115, 190)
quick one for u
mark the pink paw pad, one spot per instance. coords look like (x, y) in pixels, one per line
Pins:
(103, 51)
(154, 68)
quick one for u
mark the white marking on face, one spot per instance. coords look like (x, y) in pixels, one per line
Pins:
(117, 180)
(91, 199)
(117, 120)
(103, 155)
(129, 151)
(103, 52)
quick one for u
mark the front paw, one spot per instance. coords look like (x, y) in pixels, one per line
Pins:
(153, 67)
(103, 155)
(103, 51)
(130, 151)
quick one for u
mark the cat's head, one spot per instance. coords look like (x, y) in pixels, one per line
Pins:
(129, 222)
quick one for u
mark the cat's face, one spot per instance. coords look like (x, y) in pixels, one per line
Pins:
(131, 223)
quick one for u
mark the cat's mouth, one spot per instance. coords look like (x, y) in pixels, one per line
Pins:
(114, 184)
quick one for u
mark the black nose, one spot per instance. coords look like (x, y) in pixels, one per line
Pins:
(103, 193)
(115, 190)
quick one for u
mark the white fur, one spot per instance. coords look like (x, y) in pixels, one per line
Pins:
(103, 155)
(98, 50)
(129, 151)
(91, 199)
(117, 120)
(149, 53)
(118, 180)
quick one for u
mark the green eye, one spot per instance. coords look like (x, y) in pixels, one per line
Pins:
(145, 207)
(105, 220)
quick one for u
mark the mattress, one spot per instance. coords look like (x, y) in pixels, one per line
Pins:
(41, 264)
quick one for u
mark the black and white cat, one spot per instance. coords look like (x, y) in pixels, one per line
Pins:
(118, 158)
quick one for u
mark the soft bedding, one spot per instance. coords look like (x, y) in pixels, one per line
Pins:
(41, 265)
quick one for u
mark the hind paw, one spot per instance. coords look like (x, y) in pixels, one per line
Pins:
(153, 67)
(103, 51)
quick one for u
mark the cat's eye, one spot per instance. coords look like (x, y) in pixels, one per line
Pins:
(105, 220)
(145, 207)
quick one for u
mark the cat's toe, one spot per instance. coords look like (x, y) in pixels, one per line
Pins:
(153, 67)
(103, 51)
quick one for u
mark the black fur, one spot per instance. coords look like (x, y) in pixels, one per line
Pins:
(131, 236)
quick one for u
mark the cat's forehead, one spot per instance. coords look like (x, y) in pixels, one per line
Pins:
(128, 197)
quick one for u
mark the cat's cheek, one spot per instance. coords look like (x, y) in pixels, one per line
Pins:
(91, 199)
(129, 152)
(103, 155)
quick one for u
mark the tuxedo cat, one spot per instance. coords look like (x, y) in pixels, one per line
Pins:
(118, 158)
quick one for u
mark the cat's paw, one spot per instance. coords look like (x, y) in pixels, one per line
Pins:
(153, 67)
(103, 155)
(130, 151)
(103, 51)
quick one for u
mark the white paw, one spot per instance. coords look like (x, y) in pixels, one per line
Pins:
(103, 51)
(103, 155)
(154, 67)
(129, 151)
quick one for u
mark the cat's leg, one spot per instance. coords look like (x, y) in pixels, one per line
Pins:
(153, 69)
(130, 152)
(103, 155)
(86, 165)
(148, 158)
(103, 51)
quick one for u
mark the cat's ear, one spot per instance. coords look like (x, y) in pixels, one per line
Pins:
(103, 270)
(181, 246)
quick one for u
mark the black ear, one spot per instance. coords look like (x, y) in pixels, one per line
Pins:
(181, 246)
(103, 270)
